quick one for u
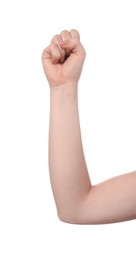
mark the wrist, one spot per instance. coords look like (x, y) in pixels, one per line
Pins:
(64, 90)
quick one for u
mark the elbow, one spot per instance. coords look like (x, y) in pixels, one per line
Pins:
(66, 218)
(70, 217)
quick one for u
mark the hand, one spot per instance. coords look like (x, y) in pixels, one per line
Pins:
(63, 59)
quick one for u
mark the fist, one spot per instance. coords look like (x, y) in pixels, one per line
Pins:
(63, 59)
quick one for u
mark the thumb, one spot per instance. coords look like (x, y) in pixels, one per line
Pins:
(72, 45)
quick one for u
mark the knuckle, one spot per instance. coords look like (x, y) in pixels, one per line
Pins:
(75, 33)
(64, 31)
(45, 53)
(53, 46)
(54, 39)
(55, 51)
(65, 35)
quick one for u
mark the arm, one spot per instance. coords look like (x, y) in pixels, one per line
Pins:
(77, 200)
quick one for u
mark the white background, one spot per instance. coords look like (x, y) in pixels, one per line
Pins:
(29, 227)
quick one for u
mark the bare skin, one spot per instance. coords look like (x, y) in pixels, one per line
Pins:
(77, 200)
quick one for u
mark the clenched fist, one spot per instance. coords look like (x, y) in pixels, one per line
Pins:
(63, 59)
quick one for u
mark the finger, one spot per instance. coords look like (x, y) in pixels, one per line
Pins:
(57, 39)
(72, 45)
(66, 37)
(75, 34)
(46, 53)
(75, 44)
(55, 53)
(52, 53)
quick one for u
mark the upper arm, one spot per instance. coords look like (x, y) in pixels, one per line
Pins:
(111, 201)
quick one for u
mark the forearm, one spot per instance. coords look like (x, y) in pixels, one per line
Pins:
(68, 171)
(77, 201)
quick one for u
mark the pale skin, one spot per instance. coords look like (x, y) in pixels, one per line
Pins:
(77, 200)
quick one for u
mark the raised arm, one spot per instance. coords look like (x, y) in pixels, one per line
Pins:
(77, 200)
